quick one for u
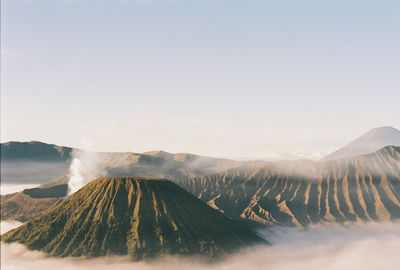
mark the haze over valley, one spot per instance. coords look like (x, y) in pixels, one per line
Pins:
(166, 134)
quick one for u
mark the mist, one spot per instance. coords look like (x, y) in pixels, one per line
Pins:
(12, 188)
(356, 246)
(31, 172)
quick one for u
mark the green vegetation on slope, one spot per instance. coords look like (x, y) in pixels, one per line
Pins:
(131, 216)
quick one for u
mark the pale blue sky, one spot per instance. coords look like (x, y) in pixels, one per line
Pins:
(226, 78)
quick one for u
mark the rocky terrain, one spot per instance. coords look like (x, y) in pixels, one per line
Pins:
(305, 192)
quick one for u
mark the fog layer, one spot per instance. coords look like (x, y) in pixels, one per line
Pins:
(11, 188)
(9, 225)
(28, 172)
(363, 246)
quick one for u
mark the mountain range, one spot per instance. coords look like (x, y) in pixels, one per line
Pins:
(301, 193)
(204, 208)
(38, 163)
(325, 191)
(53, 160)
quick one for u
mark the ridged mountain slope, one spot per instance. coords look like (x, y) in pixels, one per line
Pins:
(305, 192)
(22, 207)
(131, 216)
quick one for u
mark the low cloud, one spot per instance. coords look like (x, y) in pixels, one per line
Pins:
(362, 246)
(9, 225)
(272, 155)
(11, 188)
(32, 172)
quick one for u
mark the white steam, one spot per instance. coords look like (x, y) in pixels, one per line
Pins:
(85, 167)
(363, 246)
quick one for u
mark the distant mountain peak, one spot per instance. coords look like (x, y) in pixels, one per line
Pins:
(369, 142)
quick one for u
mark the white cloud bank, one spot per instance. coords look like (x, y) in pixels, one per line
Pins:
(12, 188)
(5, 226)
(271, 155)
(365, 247)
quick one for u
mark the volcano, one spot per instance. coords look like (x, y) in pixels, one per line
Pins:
(138, 217)
(368, 143)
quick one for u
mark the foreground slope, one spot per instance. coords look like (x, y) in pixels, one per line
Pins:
(368, 143)
(22, 207)
(131, 216)
(305, 192)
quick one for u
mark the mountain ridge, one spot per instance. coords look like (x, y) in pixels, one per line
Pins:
(173, 166)
(365, 188)
(370, 169)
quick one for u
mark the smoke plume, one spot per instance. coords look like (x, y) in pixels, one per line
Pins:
(85, 166)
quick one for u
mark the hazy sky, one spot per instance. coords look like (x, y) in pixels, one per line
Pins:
(222, 78)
